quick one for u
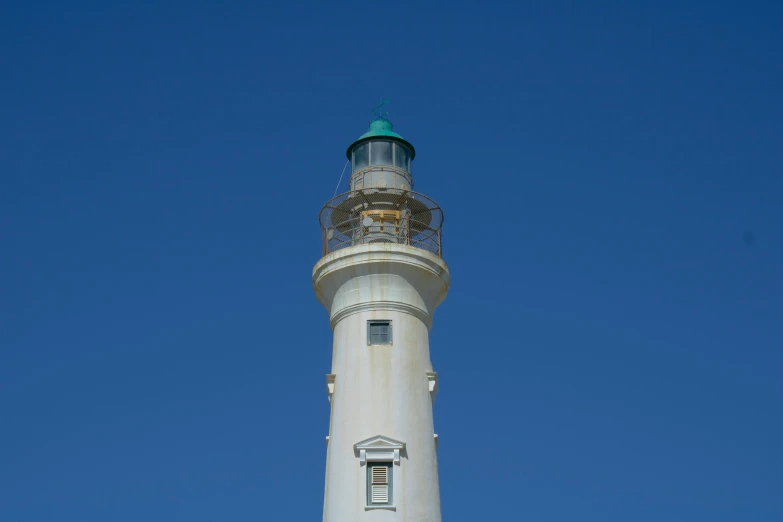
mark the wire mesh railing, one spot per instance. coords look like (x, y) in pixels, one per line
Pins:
(374, 216)
(354, 232)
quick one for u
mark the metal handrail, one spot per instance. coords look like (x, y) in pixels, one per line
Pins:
(377, 215)
(353, 232)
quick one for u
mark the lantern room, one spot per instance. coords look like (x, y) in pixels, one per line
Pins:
(381, 158)
(380, 205)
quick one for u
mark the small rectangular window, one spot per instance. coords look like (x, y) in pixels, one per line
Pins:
(379, 332)
(379, 484)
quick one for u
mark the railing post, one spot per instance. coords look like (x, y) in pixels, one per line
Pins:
(440, 244)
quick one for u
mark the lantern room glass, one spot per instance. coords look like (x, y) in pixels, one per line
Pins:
(380, 152)
(401, 156)
(361, 156)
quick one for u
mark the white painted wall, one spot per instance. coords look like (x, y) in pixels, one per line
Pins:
(381, 390)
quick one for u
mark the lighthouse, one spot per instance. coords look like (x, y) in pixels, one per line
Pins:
(381, 277)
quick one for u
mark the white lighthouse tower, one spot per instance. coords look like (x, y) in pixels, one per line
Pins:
(380, 278)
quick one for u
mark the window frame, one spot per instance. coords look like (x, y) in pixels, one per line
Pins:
(370, 322)
(389, 483)
(381, 448)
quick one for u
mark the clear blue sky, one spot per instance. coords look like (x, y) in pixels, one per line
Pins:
(610, 349)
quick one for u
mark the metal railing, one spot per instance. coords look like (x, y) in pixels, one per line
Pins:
(373, 216)
(409, 232)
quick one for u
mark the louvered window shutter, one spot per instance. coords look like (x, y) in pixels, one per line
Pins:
(380, 475)
(379, 484)
(380, 494)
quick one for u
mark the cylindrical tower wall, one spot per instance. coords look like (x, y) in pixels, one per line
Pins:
(382, 390)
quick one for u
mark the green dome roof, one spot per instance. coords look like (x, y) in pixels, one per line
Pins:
(381, 128)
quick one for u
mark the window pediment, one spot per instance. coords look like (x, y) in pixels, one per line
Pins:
(379, 448)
